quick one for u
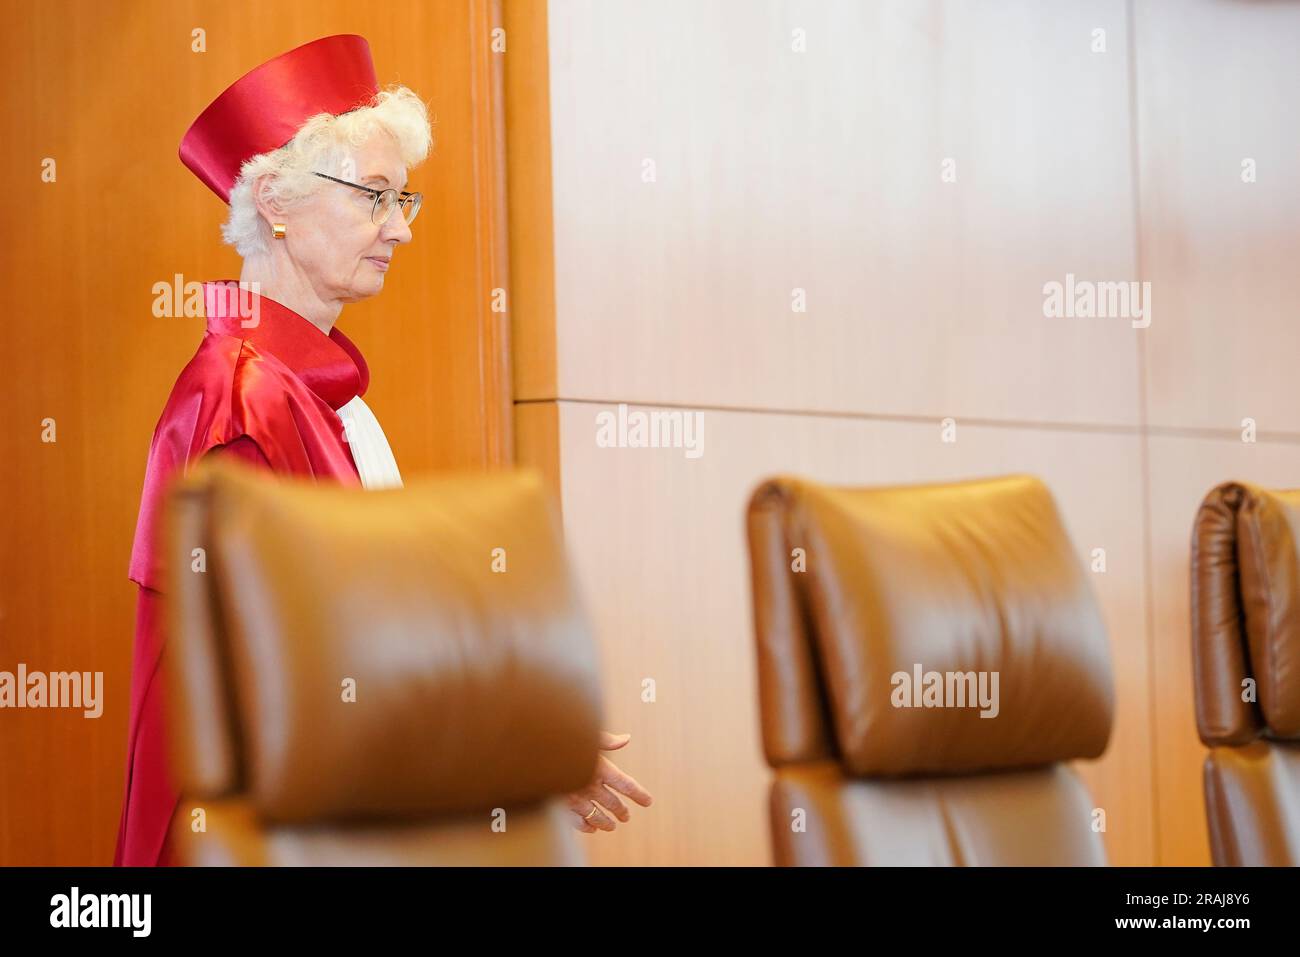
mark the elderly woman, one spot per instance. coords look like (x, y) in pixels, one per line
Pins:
(312, 158)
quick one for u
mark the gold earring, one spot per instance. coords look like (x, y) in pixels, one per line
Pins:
(278, 230)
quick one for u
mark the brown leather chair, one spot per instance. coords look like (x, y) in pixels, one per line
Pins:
(354, 680)
(854, 589)
(1246, 667)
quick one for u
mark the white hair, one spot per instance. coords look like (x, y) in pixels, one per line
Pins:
(324, 143)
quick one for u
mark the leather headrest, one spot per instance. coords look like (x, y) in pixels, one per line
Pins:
(1246, 614)
(350, 653)
(968, 595)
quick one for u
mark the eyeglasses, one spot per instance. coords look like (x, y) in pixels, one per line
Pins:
(386, 200)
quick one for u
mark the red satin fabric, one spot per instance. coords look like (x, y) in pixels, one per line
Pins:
(263, 109)
(267, 395)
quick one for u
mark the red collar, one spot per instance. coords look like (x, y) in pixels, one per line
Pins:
(331, 366)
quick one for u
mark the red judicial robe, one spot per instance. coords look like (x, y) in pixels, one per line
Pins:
(268, 395)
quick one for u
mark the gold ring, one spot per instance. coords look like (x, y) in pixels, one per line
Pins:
(594, 808)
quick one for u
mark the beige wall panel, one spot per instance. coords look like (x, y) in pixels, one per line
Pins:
(658, 541)
(1216, 85)
(776, 170)
(1182, 471)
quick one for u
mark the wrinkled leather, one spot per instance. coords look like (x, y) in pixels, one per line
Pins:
(967, 577)
(972, 576)
(1270, 592)
(234, 836)
(1038, 818)
(1252, 797)
(796, 725)
(1245, 597)
(1218, 623)
(475, 689)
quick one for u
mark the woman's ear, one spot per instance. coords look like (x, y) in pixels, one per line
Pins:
(268, 207)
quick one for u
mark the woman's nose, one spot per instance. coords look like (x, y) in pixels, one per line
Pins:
(396, 229)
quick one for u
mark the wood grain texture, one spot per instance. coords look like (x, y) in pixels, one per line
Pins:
(537, 442)
(819, 171)
(528, 162)
(1215, 89)
(658, 541)
(822, 171)
(1212, 87)
(107, 91)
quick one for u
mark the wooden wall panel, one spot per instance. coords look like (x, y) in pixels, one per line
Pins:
(658, 540)
(107, 91)
(1212, 85)
(822, 171)
(528, 164)
(775, 170)
(1215, 89)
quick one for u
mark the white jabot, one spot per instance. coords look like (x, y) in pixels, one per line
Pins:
(370, 449)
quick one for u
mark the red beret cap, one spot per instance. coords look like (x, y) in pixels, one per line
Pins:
(264, 108)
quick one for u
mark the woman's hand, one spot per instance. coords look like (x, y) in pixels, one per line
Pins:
(600, 794)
